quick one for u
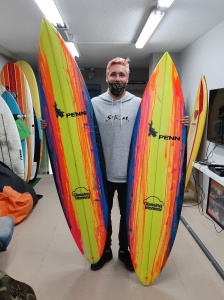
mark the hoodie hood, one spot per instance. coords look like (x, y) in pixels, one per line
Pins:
(106, 97)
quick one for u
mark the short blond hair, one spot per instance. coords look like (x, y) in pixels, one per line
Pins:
(119, 61)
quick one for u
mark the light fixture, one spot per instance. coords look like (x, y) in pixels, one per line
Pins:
(51, 12)
(163, 4)
(91, 73)
(153, 21)
(72, 48)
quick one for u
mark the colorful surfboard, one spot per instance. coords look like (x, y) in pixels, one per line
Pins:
(31, 79)
(15, 110)
(66, 107)
(11, 152)
(14, 80)
(197, 125)
(156, 172)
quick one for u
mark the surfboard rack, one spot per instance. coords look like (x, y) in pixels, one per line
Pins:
(19, 117)
(203, 248)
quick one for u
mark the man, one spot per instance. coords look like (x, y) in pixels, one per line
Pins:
(115, 113)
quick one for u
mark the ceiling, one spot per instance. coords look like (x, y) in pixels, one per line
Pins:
(104, 29)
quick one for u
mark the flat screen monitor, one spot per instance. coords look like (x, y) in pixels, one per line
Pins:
(215, 128)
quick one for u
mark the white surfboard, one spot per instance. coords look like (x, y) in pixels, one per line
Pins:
(11, 152)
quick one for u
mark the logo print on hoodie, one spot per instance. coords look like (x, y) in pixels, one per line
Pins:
(116, 118)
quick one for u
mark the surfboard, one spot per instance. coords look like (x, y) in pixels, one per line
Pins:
(31, 79)
(197, 125)
(11, 152)
(14, 80)
(72, 147)
(156, 172)
(16, 112)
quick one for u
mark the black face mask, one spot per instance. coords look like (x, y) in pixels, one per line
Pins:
(117, 88)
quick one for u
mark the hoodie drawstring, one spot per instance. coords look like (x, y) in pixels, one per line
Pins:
(121, 111)
(112, 109)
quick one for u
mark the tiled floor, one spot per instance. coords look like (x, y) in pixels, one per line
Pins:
(43, 254)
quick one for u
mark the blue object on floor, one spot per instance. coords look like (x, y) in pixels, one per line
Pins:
(6, 231)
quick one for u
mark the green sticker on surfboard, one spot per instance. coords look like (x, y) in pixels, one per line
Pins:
(23, 129)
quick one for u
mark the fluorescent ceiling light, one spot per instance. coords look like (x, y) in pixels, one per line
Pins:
(51, 12)
(72, 49)
(164, 3)
(151, 24)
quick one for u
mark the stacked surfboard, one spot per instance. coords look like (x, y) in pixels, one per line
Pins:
(19, 91)
(10, 145)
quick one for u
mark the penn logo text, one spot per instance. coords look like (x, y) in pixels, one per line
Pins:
(152, 132)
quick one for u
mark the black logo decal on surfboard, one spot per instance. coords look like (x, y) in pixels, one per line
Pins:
(169, 137)
(153, 203)
(153, 133)
(59, 113)
(81, 193)
(76, 114)
(152, 130)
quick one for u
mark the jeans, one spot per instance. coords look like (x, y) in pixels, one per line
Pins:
(121, 189)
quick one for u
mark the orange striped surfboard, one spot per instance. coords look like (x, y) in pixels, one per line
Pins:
(72, 147)
(156, 172)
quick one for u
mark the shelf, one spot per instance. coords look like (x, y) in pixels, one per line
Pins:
(205, 170)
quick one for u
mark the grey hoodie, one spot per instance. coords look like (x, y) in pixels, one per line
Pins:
(116, 120)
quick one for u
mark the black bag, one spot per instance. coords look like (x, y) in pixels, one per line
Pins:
(9, 178)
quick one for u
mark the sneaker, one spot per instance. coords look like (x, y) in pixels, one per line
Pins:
(106, 256)
(125, 258)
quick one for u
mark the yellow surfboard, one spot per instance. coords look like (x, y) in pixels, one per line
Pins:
(30, 76)
(72, 145)
(197, 125)
(156, 172)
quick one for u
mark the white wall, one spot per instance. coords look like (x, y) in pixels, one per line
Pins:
(204, 57)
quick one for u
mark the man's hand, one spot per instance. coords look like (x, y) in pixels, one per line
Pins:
(185, 121)
(43, 124)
